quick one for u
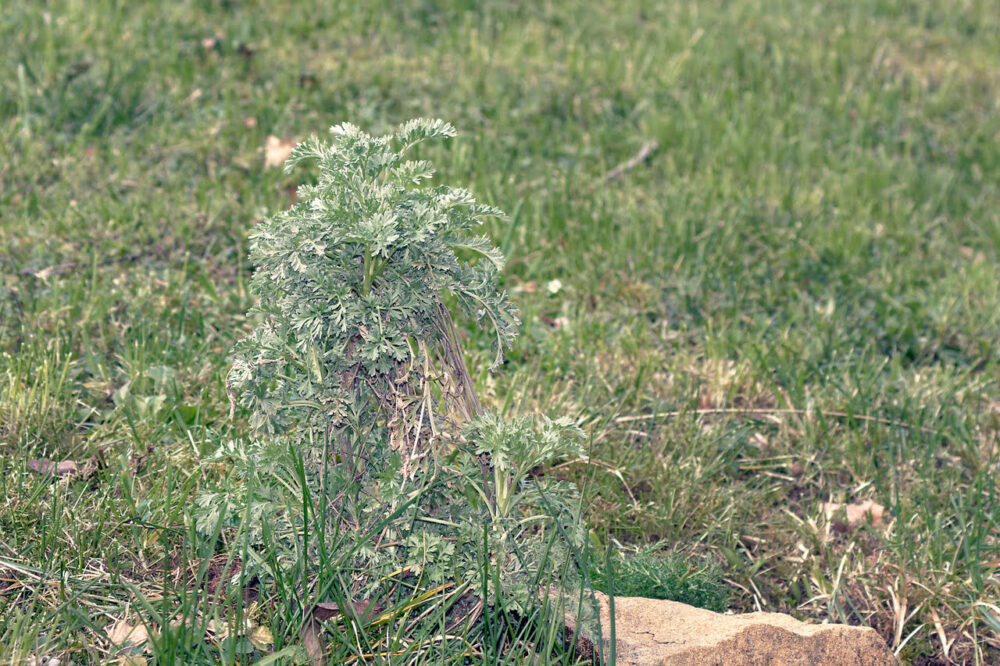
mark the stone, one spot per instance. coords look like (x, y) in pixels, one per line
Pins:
(654, 632)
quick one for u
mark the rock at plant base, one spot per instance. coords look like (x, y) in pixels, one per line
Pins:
(666, 633)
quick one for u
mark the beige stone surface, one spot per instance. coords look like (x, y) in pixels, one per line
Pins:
(667, 633)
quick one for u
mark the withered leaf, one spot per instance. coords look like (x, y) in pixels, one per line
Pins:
(122, 633)
(46, 466)
(311, 641)
(856, 513)
(362, 609)
(276, 150)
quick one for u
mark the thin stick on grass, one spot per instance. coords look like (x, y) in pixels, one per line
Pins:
(645, 151)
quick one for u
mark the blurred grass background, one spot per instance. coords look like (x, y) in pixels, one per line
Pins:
(794, 299)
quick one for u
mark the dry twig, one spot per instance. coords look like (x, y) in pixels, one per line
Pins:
(645, 151)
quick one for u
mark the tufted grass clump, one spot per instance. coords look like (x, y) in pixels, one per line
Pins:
(646, 572)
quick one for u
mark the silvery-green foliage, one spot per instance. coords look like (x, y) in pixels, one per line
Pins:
(359, 400)
(534, 523)
(517, 447)
(351, 280)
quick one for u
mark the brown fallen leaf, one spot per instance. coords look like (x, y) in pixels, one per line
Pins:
(218, 629)
(364, 610)
(856, 513)
(46, 466)
(310, 633)
(311, 641)
(121, 633)
(276, 150)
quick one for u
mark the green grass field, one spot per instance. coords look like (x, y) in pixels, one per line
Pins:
(794, 299)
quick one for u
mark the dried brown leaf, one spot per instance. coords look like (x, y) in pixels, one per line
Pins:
(46, 466)
(325, 611)
(122, 633)
(856, 513)
(311, 641)
(276, 150)
(362, 609)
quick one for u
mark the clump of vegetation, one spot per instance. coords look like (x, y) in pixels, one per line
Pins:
(820, 241)
(370, 452)
(645, 572)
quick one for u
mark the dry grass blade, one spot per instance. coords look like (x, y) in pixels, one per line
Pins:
(942, 635)
(645, 151)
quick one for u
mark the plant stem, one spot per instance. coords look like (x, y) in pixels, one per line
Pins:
(369, 274)
(455, 361)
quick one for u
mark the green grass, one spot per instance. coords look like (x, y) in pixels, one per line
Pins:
(814, 245)
(644, 573)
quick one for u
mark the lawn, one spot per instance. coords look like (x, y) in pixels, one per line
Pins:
(756, 249)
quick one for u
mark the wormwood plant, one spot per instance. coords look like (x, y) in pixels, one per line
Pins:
(369, 447)
(352, 280)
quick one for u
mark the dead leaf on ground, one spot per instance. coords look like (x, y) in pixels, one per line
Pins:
(261, 637)
(856, 513)
(312, 643)
(364, 610)
(221, 629)
(276, 150)
(529, 287)
(46, 466)
(121, 633)
(310, 634)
